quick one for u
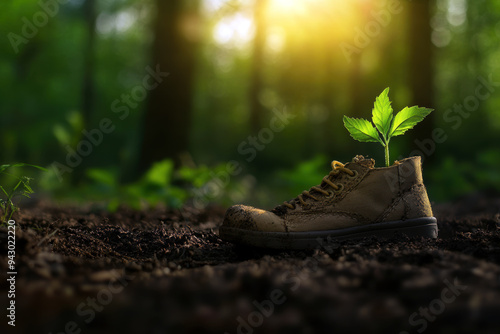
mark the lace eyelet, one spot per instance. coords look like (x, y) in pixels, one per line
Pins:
(341, 187)
(354, 175)
(331, 194)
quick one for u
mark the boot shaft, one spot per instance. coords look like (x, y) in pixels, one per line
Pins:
(387, 193)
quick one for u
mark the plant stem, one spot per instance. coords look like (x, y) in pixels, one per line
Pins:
(386, 154)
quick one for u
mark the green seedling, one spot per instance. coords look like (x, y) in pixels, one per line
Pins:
(22, 188)
(386, 125)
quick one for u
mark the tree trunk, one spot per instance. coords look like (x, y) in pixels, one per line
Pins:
(421, 63)
(88, 87)
(256, 109)
(168, 110)
(88, 68)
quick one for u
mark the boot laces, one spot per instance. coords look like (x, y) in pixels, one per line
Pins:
(337, 168)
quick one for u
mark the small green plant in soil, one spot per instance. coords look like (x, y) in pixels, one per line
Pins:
(21, 188)
(386, 125)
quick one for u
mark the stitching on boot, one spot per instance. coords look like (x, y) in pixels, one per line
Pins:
(401, 195)
(396, 201)
(406, 204)
(356, 216)
(389, 209)
(352, 215)
(360, 218)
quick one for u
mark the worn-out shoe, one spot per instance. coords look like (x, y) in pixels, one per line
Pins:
(354, 200)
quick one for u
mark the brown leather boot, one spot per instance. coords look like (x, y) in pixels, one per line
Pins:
(354, 200)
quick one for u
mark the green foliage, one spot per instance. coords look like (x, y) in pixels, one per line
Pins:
(304, 175)
(453, 178)
(162, 184)
(42, 83)
(382, 114)
(69, 134)
(21, 188)
(407, 118)
(362, 130)
(386, 124)
(214, 184)
(198, 176)
(153, 188)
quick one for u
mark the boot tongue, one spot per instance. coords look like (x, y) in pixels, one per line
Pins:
(360, 160)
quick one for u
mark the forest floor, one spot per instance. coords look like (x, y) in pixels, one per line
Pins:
(83, 270)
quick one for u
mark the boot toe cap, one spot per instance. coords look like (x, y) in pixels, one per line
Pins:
(249, 218)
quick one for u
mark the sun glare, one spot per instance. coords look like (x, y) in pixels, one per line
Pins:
(287, 6)
(119, 23)
(285, 21)
(236, 30)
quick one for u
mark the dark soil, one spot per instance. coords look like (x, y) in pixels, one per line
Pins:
(167, 271)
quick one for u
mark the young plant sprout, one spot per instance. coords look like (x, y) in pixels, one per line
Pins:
(386, 125)
(22, 188)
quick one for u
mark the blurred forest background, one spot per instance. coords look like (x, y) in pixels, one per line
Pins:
(251, 109)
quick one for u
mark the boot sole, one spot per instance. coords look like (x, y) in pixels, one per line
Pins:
(418, 227)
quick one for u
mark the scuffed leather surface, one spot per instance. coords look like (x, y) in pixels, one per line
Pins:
(374, 195)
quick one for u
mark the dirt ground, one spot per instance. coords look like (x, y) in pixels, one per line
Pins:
(83, 270)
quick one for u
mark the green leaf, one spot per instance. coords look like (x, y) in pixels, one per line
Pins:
(407, 118)
(4, 167)
(62, 135)
(382, 114)
(362, 130)
(160, 173)
(103, 176)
